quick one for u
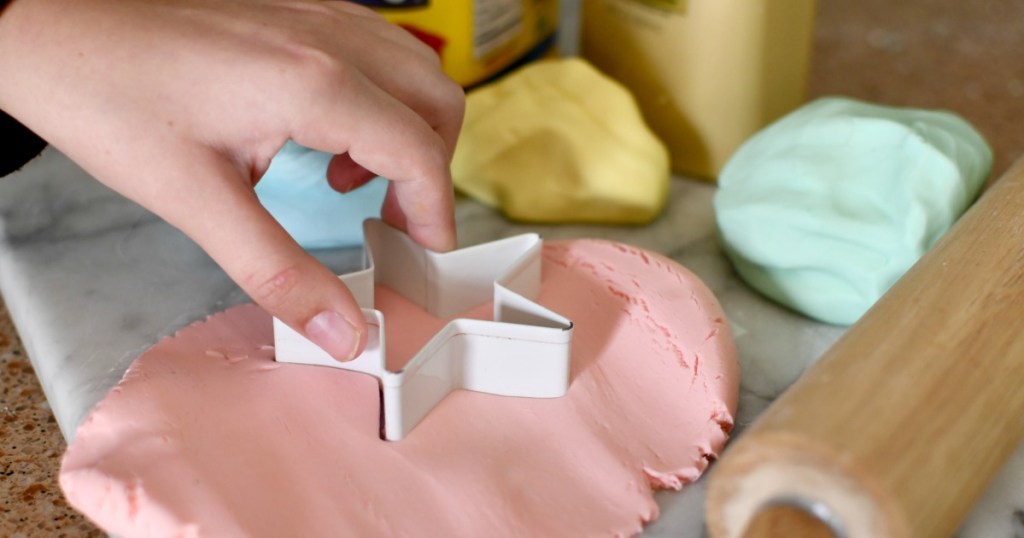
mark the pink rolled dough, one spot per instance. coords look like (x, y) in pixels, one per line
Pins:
(207, 436)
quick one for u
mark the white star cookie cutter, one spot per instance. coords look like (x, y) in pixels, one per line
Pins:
(523, 352)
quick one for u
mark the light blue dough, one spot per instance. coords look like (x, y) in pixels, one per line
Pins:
(825, 209)
(296, 193)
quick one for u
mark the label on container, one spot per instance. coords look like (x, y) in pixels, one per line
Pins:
(392, 3)
(671, 6)
(495, 23)
(476, 39)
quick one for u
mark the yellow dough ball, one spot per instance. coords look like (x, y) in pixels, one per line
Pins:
(558, 141)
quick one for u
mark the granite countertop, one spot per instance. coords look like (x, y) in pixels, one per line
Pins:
(933, 54)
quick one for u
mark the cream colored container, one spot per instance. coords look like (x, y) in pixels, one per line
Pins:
(707, 73)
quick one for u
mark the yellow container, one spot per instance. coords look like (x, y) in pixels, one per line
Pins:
(707, 73)
(477, 39)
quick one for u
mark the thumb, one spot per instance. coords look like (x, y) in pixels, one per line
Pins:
(223, 215)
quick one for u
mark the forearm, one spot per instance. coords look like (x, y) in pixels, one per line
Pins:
(19, 144)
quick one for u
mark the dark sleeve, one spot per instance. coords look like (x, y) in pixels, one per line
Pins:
(18, 145)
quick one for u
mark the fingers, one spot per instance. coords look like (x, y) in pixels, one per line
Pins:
(418, 83)
(227, 221)
(400, 92)
(400, 64)
(391, 212)
(388, 138)
(344, 175)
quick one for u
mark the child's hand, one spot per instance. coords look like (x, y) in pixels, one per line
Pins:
(180, 105)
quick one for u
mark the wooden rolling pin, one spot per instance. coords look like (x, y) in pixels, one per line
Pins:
(898, 429)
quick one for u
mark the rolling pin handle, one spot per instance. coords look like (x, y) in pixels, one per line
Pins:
(794, 518)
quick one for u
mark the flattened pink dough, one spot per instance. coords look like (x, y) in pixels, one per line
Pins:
(207, 436)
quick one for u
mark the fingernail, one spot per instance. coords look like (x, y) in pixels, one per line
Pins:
(334, 334)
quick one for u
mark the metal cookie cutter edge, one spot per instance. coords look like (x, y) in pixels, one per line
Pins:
(523, 352)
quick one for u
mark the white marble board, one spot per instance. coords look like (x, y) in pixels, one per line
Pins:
(92, 280)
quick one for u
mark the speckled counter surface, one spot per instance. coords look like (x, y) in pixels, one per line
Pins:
(934, 53)
(30, 449)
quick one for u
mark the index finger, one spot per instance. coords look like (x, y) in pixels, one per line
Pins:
(385, 136)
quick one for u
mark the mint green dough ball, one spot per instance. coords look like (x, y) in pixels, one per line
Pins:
(825, 209)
